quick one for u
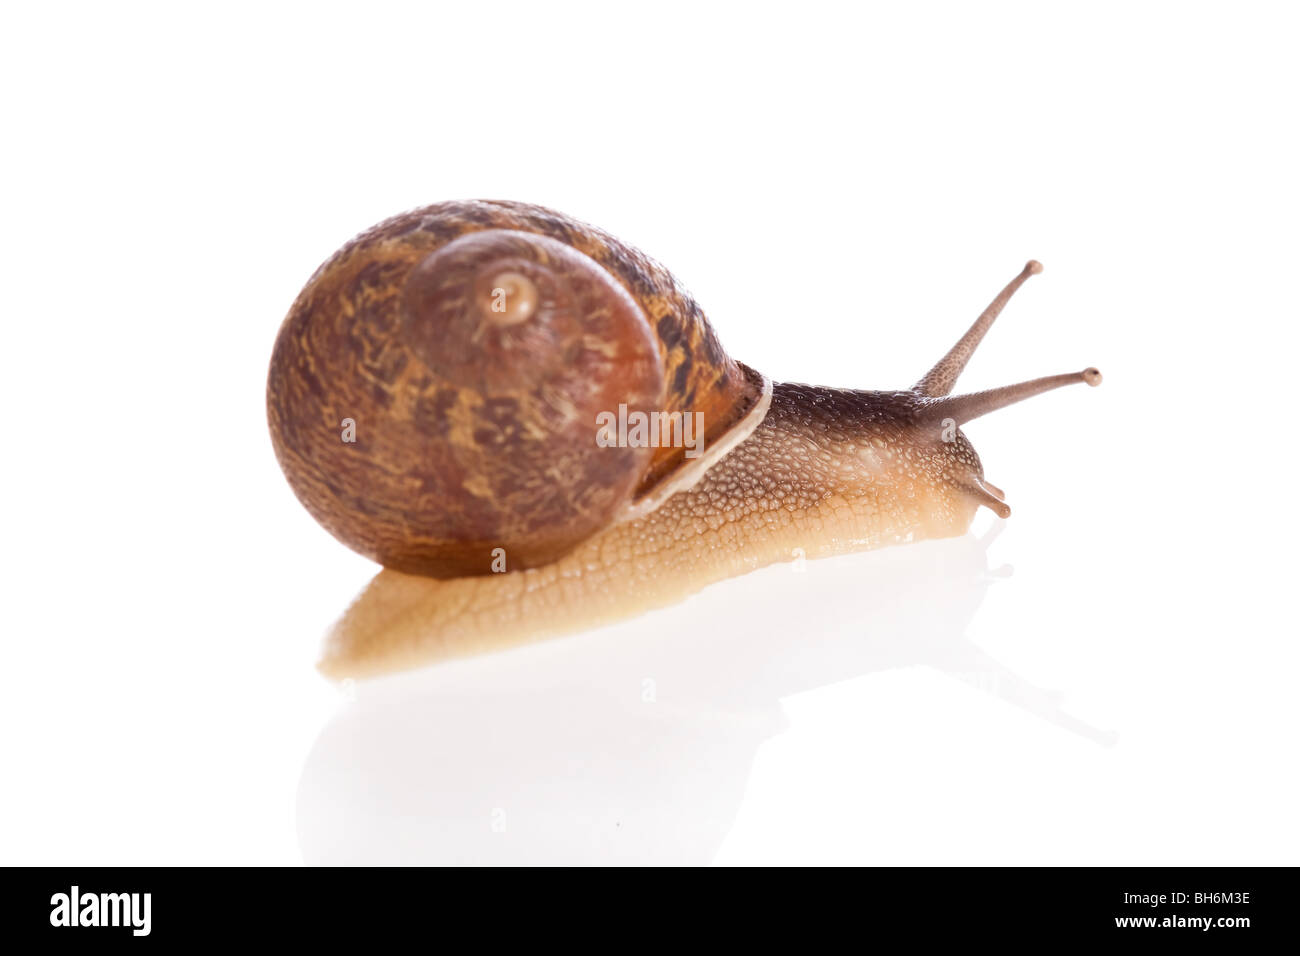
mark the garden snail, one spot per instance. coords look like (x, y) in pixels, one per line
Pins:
(474, 349)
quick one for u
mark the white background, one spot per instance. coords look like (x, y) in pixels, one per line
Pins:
(1112, 681)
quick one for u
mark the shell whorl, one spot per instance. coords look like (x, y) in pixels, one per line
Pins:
(472, 343)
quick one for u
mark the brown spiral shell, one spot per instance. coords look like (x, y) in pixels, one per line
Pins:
(472, 345)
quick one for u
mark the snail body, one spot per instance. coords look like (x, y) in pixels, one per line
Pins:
(476, 346)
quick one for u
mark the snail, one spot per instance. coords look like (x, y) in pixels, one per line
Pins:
(481, 387)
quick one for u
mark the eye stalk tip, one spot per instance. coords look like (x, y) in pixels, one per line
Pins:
(1091, 376)
(1033, 267)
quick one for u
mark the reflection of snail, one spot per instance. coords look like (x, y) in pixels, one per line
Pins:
(475, 344)
(560, 745)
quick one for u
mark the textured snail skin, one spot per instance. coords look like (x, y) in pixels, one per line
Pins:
(829, 471)
(480, 440)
